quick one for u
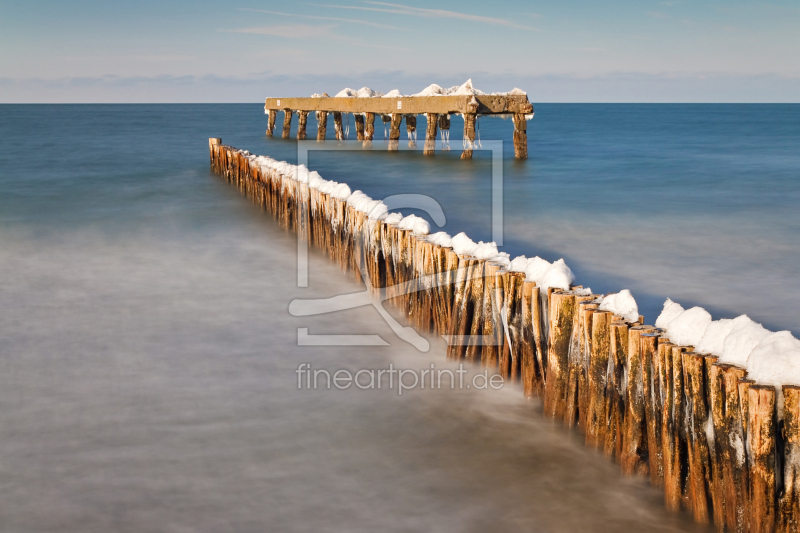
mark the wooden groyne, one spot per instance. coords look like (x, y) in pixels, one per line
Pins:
(711, 438)
(392, 110)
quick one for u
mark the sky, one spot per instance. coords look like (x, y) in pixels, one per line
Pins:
(243, 51)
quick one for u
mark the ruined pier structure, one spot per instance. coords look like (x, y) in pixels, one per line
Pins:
(714, 441)
(391, 110)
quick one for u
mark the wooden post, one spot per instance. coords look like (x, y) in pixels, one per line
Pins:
(302, 120)
(762, 458)
(359, 119)
(455, 348)
(411, 129)
(213, 144)
(700, 478)
(430, 133)
(634, 450)
(337, 126)
(520, 136)
(492, 322)
(287, 123)
(394, 131)
(615, 389)
(322, 124)
(369, 129)
(562, 318)
(511, 356)
(596, 378)
(272, 115)
(475, 305)
(532, 375)
(790, 502)
(469, 135)
(651, 392)
(580, 345)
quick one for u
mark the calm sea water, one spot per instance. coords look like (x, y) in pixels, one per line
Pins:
(147, 361)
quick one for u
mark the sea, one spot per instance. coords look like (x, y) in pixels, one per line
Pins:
(150, 369)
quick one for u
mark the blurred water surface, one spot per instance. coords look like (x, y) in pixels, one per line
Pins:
(147, 362)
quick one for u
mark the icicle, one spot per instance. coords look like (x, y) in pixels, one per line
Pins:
(478, 127)
(346, 126)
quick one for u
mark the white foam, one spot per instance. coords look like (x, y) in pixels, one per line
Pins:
(670, 311)
(622, 304)
(688, 328)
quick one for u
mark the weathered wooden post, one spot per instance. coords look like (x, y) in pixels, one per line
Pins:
(762, 458)
(562, 317)
(475, 301)
(790, 503)
(394, 131)
(430, 133)
(359, 118)
(302, 120)
(212, 143)
(651, 392)
(411, 129)
(337, 126)
(596, 378)
(287, 123)
(272, 115)
(615, 389)
(532, 374)
(322, 124)
(369, 129)
(469, 128)
(492, 321)
(697, 444)
(634, 450)
(577, 362)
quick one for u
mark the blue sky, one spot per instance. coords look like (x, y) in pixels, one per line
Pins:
(570, 51)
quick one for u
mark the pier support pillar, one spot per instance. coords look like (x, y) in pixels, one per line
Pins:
(394, 132)
(302, 121)
(411, 128)
(430, 133)
(322, 124)
(359, 126)
(520, 136)
(287, 123)
(469, 135)
(444, 126)
(369, 129)
(272, 114)
(337, 125)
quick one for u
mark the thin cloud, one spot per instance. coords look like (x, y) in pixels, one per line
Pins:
(399, 9)
(658, 15)
(307, 31)
(289, 31)
(335, 19)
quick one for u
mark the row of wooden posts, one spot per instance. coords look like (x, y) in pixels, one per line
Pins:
(365, 129)
(699, 429)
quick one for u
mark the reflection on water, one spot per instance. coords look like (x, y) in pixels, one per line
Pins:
(148, 358)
